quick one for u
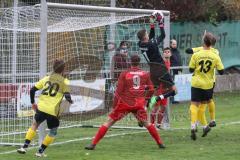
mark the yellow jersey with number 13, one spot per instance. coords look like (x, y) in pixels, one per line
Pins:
(53, 88)
(204, 62)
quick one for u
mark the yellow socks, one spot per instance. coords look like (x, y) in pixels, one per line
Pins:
(211, 109)
(201, 114)
(30, 134)
(194, 115)
(48, 140)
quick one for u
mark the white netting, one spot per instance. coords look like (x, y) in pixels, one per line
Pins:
(79, 37)
(59, 19)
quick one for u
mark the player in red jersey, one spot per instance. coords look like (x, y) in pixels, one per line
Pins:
(134, 86)
(160, 106)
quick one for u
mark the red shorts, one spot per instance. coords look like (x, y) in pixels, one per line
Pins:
(162, 102)
(160, 91)
(123, 109)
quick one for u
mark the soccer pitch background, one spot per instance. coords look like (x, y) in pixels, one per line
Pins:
(222, 142)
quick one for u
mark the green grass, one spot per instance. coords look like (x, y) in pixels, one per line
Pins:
(222, 143)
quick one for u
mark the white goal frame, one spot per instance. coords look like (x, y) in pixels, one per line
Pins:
(44, 30)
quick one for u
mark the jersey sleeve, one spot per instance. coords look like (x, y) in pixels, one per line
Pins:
(40, 83)
(216, 51)
(66, 87)
(192, 62)
(219, 64)
(161, 37)
(197, 49)
(152, 33)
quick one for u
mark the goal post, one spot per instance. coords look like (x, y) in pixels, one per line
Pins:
(78, 34)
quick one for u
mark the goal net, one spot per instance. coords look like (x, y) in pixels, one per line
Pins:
(86, 38)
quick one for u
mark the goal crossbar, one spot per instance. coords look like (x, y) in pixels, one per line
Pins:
(103, 9)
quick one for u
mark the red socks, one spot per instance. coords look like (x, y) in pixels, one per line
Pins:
(100, 134)
(159, 116)
(152, 130)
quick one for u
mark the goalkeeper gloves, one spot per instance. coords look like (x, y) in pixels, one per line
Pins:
(160, 19)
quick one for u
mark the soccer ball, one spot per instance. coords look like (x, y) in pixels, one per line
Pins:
(157, 15)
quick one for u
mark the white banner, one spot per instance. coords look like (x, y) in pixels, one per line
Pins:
(87, 96)
(183, 84)
(24, 106)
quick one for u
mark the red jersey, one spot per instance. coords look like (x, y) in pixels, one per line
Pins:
(162, 87)
(167, 64)
(131, 87)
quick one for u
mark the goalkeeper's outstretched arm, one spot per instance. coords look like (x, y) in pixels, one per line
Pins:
(157, 17)
(152, 27)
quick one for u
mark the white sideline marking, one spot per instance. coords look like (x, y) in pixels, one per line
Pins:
(79, 139)
(111, 135)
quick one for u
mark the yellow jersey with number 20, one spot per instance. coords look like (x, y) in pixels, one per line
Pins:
(53, 88)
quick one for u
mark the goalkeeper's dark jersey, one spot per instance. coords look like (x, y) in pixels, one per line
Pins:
(150, 50)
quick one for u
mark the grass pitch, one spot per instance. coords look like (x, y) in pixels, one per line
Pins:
(223, 142)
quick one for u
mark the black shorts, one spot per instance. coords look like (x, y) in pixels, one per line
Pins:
(198, 95)
(160, 74)
(52, 121)
(213, 87)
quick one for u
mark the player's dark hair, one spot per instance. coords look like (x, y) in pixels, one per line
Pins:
(123, 43)
(135, 60)
(166, 48)
(214, 40)
(58, 66)
(208, 39)
(141, 34)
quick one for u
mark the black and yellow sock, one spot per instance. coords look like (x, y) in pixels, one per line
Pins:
(29, 136)
(47, 140)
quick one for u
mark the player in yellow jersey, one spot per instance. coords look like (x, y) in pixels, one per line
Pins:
(202, 65)
(53, 87)
(211, 104)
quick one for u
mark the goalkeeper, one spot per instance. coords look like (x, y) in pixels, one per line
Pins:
(54, 87)
(149, 46)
